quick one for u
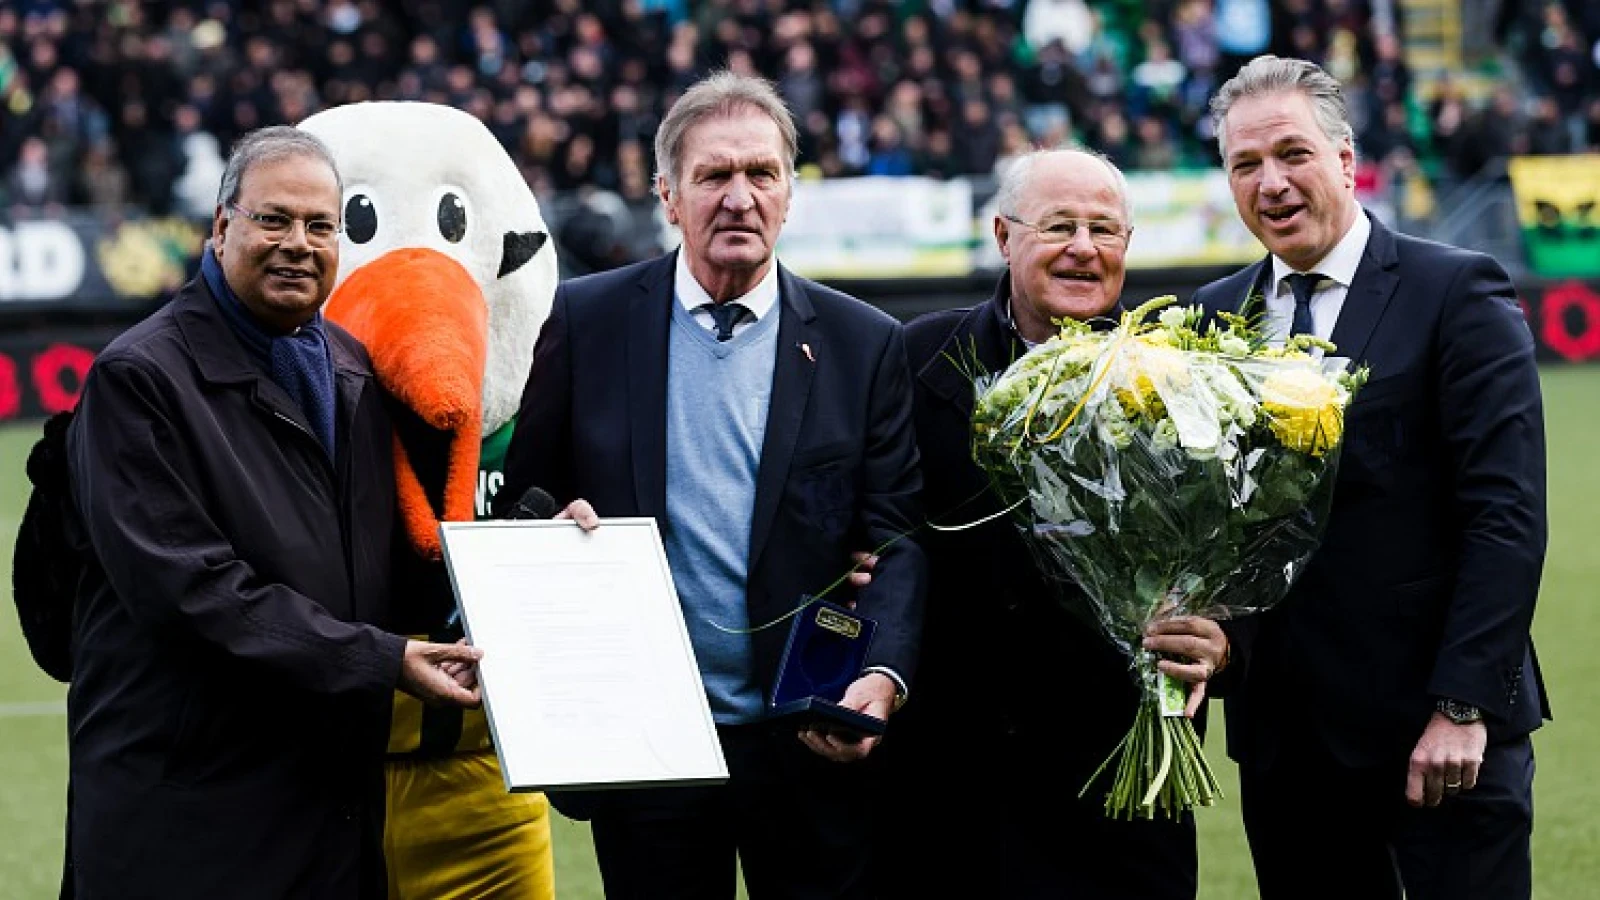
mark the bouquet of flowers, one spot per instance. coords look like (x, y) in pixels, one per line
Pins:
(1167, 470)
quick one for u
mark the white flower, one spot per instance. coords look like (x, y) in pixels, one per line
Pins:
(1173, 318)
(1233, 345)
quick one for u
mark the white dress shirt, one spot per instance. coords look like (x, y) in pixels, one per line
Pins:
(1338, 270)
(760, 301)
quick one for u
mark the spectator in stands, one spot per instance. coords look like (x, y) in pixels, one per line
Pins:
(977, 139)
(32, 184)
(196, 189)
(801, 83)
(1495, 133)
(1153, 150)
(1066, 22)
(102, 181)
(1157, 81)
(1388, 135)
(889, 157)
(1548, 133)
(607, 72)
(153, 156)
(1114, 138)
(938, 159)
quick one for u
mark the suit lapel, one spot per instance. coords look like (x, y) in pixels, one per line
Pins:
(980, 344)
(649, 317)
(1369, 295)
(792, 375)
(1255, 285)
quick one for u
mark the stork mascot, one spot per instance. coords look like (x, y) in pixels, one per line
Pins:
(446, 276)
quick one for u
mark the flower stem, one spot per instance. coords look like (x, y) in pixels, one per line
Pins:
(1161, 768)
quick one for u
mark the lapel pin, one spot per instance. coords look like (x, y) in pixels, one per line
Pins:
(806, 349)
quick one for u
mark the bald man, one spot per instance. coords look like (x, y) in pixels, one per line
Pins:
(1020, 699)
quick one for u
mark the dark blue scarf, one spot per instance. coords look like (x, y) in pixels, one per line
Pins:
(298, 362)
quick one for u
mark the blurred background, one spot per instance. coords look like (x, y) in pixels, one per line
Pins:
(1477, 121)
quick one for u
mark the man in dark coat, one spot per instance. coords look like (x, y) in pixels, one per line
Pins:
(765, 420)
(1019, 698)
(231, 464)
(1382, 723)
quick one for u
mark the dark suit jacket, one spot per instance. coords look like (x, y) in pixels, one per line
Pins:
(838, 469)
(1425, 583)
(991, 613)
(228, 707)
(1017, 689)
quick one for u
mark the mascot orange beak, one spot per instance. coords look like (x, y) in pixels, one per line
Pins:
(426, 325)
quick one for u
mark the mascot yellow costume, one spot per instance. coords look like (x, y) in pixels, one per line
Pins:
(446, 275)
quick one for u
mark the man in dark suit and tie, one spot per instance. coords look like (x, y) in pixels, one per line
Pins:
(765, 422)
(1382, 727)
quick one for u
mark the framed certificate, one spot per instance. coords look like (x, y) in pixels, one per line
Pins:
(588, 676)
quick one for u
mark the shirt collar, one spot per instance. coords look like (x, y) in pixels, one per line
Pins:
(692, 296)
(1341, 262)
(1011, 322)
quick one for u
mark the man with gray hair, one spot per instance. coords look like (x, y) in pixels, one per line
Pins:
(231, 465)
(1063, 229)
(1382, 724)
(765, 421)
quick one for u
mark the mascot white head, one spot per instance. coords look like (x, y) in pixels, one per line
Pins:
(446, 274)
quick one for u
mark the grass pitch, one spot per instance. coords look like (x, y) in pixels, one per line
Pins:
(1567, 628)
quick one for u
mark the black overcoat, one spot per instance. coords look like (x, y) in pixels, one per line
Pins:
(228, 705)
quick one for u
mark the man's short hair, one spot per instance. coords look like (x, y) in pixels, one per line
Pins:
(722, 93)
(271, 144)
(1272, 75)
(1014, 179)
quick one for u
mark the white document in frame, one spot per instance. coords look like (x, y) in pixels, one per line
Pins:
(588, 676)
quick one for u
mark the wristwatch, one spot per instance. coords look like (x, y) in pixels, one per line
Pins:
(1458, 712)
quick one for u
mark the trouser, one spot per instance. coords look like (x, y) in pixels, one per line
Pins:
(797, 824)
(1318, 829)
(453, 831)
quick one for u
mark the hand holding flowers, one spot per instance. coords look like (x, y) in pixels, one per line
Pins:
(1172, 473)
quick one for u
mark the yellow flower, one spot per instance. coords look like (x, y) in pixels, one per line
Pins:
(1153, 369)
(1304, 409)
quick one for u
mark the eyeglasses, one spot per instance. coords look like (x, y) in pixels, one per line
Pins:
(277, 226)
(1062, 229)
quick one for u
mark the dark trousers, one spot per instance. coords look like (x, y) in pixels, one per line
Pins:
(797, 823)
(960, 822)
(1318, 829)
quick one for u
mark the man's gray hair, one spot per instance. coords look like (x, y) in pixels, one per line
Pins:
(1014, 180)
(1274, 75)
(722, 93)
(271, 144)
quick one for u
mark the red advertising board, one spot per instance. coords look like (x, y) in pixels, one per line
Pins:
(42, 373)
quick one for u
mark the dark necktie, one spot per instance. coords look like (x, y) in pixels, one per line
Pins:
(726, 315)
(1302, 286)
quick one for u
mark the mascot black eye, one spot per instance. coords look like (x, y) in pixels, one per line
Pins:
(360, 218)
(452, 218)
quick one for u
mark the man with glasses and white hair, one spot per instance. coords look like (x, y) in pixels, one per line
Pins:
(231, 464)
(1020, 699)
(1382, 722)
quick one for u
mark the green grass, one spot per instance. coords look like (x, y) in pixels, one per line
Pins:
(33, 757)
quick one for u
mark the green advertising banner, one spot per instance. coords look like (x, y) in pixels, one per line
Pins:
(1558, 204)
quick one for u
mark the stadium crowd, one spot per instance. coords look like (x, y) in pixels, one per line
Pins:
(105, 103)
